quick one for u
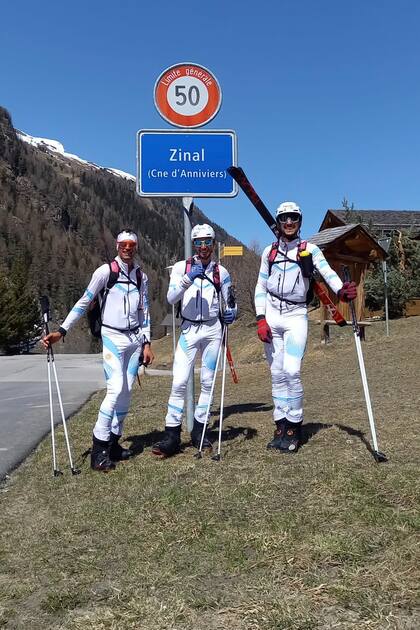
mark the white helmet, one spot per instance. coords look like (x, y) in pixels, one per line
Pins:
(288, 206)
(127, 235)
(202, 231)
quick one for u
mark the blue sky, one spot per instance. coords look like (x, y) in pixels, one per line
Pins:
(324, 94)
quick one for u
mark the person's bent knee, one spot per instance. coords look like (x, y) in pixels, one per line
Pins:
(206, 384)
(179, 388)
(292, 375)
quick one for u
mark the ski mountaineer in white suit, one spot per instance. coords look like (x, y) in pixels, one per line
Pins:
(125, 333)
(282, 320)
(196, 284)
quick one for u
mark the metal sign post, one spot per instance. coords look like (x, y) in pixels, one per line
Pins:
(385, 243)
(188, 204)
(384, 269)
(173, 322)
(173, 333)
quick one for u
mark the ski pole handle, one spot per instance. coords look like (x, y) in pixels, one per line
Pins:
(346, 273)
(347, 278)
(45, 308)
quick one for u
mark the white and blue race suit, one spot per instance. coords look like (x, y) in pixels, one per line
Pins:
(280, 296)
(201, 331)
(125, 327)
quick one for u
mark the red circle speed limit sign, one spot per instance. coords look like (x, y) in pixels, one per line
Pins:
(187, 95)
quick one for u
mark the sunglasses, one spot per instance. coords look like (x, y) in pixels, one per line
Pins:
(127, 245)
(294, 217)
(199, 242)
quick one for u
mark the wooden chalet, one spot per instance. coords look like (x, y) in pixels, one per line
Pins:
(354, 246)
(382, 222)
(346, 235)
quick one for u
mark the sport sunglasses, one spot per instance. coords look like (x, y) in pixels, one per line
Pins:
(127, 244)
(199, 242)
(293, 216)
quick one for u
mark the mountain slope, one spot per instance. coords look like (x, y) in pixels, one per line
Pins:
(60, 214)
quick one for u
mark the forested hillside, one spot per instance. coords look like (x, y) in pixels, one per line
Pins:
(58, 219)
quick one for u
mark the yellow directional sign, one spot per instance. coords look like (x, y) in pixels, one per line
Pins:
(232, 250)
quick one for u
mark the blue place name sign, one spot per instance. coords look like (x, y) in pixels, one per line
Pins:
(185, 163)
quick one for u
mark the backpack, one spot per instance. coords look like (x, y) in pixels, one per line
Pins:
(301, 247)
(96, 307)
(215, 282)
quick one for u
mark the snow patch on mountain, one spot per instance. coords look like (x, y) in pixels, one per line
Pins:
(53, 146)
(118, 173)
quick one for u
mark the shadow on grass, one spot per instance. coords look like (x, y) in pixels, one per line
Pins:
(311, 428)
(244, 408)
(359, 434)
(137, 443)
(230, 433)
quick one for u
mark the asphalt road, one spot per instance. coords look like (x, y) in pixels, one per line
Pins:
(24, 401)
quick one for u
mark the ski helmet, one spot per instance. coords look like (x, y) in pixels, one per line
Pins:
(127, 235)
(202, 231)
(288, 207)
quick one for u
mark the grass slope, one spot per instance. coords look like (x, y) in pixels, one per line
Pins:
(322, 539)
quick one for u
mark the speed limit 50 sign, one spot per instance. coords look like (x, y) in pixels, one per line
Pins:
(187, 95)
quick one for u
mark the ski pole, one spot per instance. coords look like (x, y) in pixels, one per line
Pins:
(45, 308)
(378, 456)
(233, 372)
(231, 303)
(199, 454)
(216, 457)
(56, 471)
(74, 471)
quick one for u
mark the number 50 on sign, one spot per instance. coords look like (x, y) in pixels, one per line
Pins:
(187, 95)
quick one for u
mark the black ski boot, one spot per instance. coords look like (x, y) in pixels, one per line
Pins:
(170, 443)
(99, 457)
(117, 453)
(196, 434)
(291, 438)
(278, 434)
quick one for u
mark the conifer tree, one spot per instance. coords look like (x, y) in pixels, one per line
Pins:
(20, 315)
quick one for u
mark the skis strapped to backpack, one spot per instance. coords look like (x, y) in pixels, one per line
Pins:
(96, 308)
(239, 176)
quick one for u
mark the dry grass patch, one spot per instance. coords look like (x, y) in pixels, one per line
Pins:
(322, 539)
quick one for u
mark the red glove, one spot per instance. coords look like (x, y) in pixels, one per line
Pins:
(264, 330)
(347, 292)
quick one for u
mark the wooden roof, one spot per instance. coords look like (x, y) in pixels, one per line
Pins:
(352, 241)
(382, 219)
